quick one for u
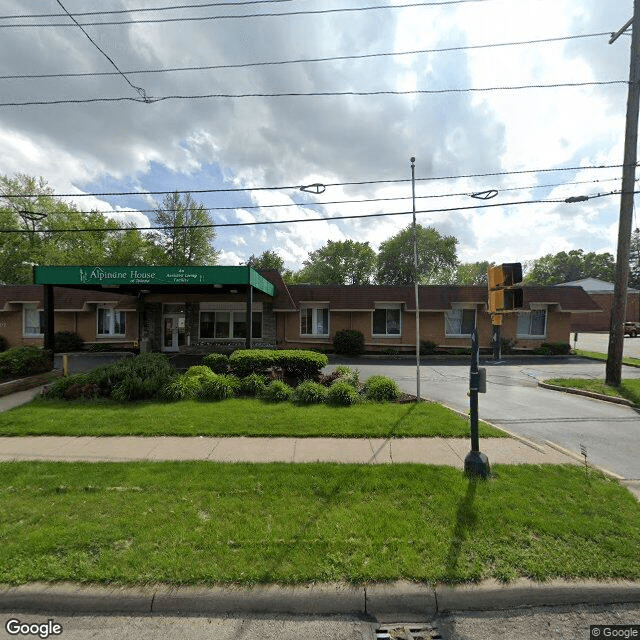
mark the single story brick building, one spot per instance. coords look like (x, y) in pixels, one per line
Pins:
(200, 309)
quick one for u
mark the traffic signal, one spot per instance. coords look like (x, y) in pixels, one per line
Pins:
(504, 292)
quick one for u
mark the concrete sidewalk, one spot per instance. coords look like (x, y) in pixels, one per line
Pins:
(437, 451)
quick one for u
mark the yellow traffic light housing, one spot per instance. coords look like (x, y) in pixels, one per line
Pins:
(504, 294)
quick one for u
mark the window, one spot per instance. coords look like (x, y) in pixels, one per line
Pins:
(111, 322)
(229, 324)
(459, 322)
(532, 324)
(386, 321)
(33, 321)
(314, 321)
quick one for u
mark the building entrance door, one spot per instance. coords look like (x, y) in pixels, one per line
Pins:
(173, 331)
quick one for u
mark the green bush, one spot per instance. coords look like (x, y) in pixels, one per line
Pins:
(277, 391)
(3, 344)
(553, 349)
(300, 363)
(219, 388)
(428, 348)
(347, 374)
(65, 341)
(202, 372)
(381, 389)
(180, 388)
(23, 361)
(243, 362)
(310, 392)
(217, 362)
(253, 385)
(348, 342)
(342, 394)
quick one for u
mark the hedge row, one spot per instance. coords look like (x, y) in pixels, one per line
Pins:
(300, 364)
(20, 362)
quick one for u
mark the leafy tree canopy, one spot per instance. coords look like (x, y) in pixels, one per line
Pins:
(340, 262)
(266, 260)
(568, 266)
(436, 256)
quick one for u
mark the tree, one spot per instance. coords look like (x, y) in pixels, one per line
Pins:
(567, 267)
(436, 256)
(470, 273)
(634, 260)
(267, 260)
(49, 231)
(340, 262)
(186, 239)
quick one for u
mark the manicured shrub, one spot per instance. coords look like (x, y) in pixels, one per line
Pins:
(348, 342)
(180, 388)
(553, 349)
(428, 348)
(202, 372)
(219, 388)
(300, 363)
(253, 385)
(243, 362)
(23, 361)
(65, 341)
(347, 374)
(381, 389)
(277, 391)
(342, 394)
(217, 362)
(310, 392)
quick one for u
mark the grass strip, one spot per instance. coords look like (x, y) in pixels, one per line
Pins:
(595, 355)
(236, 417)
(204, 523)
(629, 389)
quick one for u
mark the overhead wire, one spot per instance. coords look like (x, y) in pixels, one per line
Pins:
(139, 90)
(382, 92)
(492, 174)
(204, 5)
(362, 56)
(301, 220)
(436, 3)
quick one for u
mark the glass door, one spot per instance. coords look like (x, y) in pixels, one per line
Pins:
(173, 331)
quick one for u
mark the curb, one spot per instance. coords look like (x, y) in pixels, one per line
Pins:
(588, 394)
(378, 600)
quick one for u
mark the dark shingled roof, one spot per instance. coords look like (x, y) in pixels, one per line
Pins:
(64, 299)
(433, 298)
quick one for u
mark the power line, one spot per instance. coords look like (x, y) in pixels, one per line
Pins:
(248, 15)
(205, 5)
(319, 219)
(326, 184)
(382, 92)
(363, 56)
(141, 92)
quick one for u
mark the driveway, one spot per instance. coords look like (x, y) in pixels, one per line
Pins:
(610, 433)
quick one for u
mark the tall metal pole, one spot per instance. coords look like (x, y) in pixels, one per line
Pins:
(619, 305)
(415, 276)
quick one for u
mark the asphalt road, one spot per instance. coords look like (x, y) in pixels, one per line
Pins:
(610, 433)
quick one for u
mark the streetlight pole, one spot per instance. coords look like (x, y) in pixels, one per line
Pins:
(415, 276)
(619, 305)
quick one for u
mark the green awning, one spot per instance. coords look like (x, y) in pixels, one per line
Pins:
(98, 276)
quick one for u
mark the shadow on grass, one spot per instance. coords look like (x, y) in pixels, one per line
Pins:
(465, 525)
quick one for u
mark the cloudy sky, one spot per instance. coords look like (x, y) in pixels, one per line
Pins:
(241, 146)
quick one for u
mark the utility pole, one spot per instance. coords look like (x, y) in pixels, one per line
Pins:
(415, 276)
(619, 305)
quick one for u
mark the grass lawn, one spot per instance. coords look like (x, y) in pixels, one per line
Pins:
(629, 389)
(595, 355)
(235, 417)
(204, 523)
